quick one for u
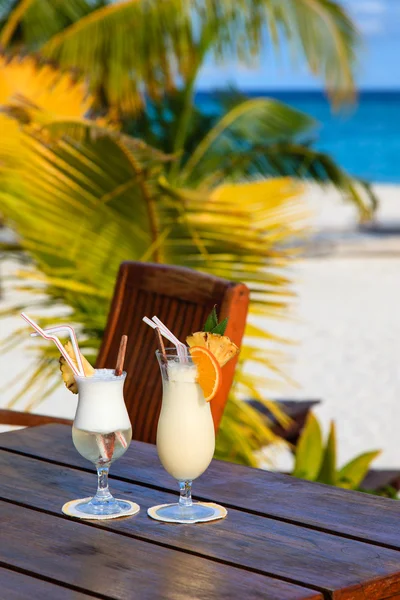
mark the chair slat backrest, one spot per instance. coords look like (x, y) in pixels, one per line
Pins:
(182, 299)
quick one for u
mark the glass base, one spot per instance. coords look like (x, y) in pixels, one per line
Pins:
(110, 506)
(193, 513)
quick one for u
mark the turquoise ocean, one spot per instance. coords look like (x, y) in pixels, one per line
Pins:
(364, 138)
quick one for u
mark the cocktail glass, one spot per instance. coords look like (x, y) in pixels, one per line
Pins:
(102, 433)
(185, 435)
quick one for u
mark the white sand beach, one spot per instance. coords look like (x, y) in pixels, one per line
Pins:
(345, 321)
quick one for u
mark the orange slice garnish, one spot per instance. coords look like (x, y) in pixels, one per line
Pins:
(209, 374)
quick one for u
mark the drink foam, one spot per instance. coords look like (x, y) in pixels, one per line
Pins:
(181, 372)
(101, 407)
(107, 374)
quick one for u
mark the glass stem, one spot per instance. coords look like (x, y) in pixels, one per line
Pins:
(103, 493)
(185, 498)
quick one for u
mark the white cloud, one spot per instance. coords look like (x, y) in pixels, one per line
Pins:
(369, 7)
(370, 26)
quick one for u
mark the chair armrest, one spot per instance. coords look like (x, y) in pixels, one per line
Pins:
(26, 419)
(297, 410)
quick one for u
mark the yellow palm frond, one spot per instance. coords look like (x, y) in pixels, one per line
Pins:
(26, 83)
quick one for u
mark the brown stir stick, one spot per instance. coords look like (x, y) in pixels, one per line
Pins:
(160, 343)
(121, 356)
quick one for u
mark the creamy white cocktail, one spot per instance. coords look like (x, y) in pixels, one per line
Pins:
(192, 378)
(102, 430)
(185, 434)
(102, 433)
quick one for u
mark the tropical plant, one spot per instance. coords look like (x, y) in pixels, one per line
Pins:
(139, 48)
(82, 195)
(316, 462)
(142, 59)
(83, 201)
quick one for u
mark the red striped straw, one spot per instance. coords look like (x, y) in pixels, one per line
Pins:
(104, 451)
(120, 436)
(72, 337)
(54, 339)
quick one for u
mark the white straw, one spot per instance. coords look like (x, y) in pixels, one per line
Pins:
(165, 332)
(54, 339)
(73, 339)
(181, 348)
(154, 326)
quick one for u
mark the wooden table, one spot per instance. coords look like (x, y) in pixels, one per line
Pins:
(283, 539)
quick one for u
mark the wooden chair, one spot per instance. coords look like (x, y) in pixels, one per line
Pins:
(182, 299)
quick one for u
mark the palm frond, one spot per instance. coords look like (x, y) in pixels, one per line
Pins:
(300, 161)
(249, 122)
(29, 23)
(135, 48)
(265, 138)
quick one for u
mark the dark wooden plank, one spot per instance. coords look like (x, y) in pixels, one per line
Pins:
(343, 568)
(364, 517)
(18, 586)
(26, 419)
(115, 566)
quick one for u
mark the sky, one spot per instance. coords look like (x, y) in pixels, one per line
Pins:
(378, 65)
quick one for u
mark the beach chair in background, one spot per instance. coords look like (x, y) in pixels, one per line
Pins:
(182, 298)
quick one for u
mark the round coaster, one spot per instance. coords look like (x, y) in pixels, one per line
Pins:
(220, 513)
(69, 509)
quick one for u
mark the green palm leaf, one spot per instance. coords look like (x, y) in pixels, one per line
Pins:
(136, 46)
(250, 122)
(32, 22)
(262, 137)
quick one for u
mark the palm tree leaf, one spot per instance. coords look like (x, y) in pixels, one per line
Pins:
(262, 137)
(303, 162)
(138, 47)
(32, 22)
(251, 122)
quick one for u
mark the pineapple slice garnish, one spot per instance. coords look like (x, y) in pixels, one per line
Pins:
(66, 371)
(214, 340)
(219, 345)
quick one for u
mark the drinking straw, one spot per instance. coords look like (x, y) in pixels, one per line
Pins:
(154, 326)
(121, 356)
(156, 323)
(119, 367)
(104, 453)
(119, 435)
(160, 343)
(107, 450)
(73, 339)
(181, 348)
(53, 338)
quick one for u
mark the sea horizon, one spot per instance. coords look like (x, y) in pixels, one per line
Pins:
(289, 91)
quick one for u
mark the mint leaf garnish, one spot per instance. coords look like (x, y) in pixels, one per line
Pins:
(220, 328)
(212, 325)
(212, 320)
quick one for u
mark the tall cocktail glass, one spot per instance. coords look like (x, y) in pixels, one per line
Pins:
(185, 435)
(102, 433)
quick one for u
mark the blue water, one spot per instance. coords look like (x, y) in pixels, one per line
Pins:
(364, 140)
